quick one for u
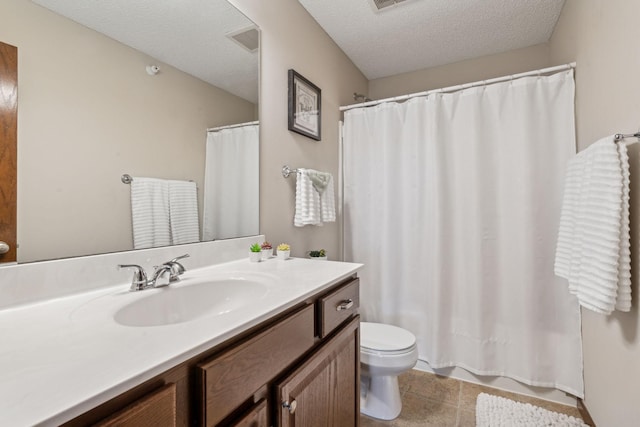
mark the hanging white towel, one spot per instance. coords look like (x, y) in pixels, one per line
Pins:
(150, 212)
(183, 212)
(327, 202)
(593, 249)
(314, 207)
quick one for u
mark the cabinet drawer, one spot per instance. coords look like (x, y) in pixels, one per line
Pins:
(155, 410)
(338, 306)
(231, 378)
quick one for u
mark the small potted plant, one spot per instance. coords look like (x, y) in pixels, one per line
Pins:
(267, 250)
(284, 250)
(255, 252)
(318, 255)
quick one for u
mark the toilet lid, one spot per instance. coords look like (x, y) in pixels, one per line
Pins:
(382, 337)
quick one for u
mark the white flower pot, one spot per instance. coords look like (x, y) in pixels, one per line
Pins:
(255, 256)
(284, 254)
(267, 253)
(318, 258)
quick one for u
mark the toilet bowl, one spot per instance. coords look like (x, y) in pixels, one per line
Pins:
(386, 351)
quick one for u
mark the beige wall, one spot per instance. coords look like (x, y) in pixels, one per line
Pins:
(292, 39)
(600, 35)
(472, 70)
(89, 112)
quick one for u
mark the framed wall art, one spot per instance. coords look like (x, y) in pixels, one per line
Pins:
(304, 106)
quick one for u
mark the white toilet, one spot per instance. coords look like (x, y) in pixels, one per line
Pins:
(385, 352)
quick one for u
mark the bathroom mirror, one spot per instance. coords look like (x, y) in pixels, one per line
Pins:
(115, 88)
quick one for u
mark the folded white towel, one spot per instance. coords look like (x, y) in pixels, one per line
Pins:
(313, 207)
(183, 212)
(327, 202)
(150, 212)
(593, 249)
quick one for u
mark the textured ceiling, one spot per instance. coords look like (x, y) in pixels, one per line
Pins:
(187, 34)
(418, 34)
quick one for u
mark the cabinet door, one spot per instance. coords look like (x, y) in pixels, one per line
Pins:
(156, 410)
(325, 390)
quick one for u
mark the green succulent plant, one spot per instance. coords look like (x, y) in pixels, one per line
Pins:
(255, 247)
(317, 254)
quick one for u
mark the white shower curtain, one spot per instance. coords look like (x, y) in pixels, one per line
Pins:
(231, 187)
(452, 202)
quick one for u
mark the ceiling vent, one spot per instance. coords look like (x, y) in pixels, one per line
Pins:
(379, 5)
(248, 38)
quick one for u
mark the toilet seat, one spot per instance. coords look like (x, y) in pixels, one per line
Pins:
(379, 338)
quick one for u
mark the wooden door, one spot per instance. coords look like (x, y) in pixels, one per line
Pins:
(325, 390)
(8, 149)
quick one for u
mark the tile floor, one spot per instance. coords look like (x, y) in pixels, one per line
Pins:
(432, 400)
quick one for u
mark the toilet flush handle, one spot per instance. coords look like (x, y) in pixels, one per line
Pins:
(345, 305)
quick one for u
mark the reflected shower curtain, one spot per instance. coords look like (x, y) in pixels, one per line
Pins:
(231, 183)
(452, 202)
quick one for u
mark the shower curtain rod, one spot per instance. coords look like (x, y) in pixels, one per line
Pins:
(462, 86)
(239, 125)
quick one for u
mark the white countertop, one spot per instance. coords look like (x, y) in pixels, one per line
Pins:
(62, 357)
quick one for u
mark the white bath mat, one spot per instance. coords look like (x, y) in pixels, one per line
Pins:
(495, 411)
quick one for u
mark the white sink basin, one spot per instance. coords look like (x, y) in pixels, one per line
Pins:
(184, 302)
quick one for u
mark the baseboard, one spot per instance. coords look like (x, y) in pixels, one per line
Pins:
(584, 413)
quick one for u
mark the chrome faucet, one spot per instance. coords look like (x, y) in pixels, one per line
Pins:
(164, 274)
(139, 281)
(176, 268)
(161, 276)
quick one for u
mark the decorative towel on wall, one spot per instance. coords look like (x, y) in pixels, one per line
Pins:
(163, 212)
(183, 212)
(593, 249)
(315, 200)
(150, 212)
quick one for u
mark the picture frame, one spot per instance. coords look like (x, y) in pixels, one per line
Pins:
(304, 106)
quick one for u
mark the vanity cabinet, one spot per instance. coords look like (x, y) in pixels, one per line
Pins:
(299, 368)
(231, 378)
(323, 391)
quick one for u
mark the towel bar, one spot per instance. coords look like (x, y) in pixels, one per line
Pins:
(621, 136)
(286, 171)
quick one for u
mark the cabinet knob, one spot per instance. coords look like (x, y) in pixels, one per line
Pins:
(345, 305)
(4, 248)
(290, 406)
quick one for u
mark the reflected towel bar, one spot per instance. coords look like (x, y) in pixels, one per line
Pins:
(128, 179)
